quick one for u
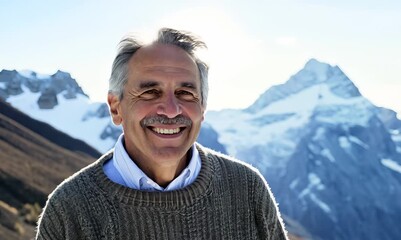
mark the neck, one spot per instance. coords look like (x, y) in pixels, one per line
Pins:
(163, 175)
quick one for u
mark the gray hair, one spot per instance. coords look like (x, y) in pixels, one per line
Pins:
(129, 45)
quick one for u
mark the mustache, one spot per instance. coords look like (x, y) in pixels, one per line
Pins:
(161, 119)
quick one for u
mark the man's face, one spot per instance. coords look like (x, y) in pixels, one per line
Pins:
(161, 110)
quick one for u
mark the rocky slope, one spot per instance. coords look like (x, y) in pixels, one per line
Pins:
(31, 167)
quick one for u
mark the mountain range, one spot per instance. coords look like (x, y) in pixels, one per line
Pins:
(331, 157)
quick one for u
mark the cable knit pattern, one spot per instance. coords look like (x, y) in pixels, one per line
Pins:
(228, 200)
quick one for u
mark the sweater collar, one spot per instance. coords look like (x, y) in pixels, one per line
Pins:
(169, 200)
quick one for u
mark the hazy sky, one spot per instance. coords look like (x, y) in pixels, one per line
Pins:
(252, 44)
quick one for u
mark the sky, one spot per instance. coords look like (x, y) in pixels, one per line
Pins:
(252, 45)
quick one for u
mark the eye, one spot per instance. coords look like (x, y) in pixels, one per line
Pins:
(185, 95)
(150, 94)
(183, 92)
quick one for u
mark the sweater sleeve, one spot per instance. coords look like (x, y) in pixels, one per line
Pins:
(50, 224)
(268, 220)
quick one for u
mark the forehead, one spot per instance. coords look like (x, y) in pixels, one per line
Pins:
(163, 58)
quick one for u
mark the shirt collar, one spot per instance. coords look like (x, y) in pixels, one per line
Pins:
(135, 178)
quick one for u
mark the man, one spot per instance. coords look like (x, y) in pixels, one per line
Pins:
(158, 183)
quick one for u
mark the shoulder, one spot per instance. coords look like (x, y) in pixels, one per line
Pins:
(241, 177)
(69, 202)
(229, 166)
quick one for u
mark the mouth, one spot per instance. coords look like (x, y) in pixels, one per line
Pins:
(167, 128)
(167, 131)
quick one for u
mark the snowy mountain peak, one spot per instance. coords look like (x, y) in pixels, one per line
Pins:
(326, 151)
(14, 83)
(61, 75)
(316, 68)
(313, 73)
(32, 75)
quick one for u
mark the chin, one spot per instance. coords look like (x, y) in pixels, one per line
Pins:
(170, 153)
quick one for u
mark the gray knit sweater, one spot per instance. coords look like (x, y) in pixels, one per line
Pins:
(228, 200)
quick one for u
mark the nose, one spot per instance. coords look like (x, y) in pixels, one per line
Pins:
(170, 106)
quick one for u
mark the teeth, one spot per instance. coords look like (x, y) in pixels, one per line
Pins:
(166, 131)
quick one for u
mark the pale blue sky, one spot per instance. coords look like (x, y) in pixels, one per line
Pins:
(252, 44)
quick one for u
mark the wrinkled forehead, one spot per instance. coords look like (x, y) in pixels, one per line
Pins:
(163, 55)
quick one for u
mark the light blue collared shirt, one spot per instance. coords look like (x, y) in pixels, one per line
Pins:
(123, 170)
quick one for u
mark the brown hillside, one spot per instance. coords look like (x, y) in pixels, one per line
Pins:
(30, 168)
(32, 163)
(47, 131)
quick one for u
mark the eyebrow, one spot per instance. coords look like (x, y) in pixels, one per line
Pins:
(150, 84)
(144, 85)
(188, 85)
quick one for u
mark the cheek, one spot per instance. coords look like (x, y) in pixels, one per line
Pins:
(196, 112)
(136, 109)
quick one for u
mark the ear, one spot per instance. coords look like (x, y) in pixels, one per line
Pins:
(203, 112)
(114, 107)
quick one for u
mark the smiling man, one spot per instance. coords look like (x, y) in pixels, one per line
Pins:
(157, 183)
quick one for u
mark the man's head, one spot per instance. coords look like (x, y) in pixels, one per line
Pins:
(129, 45)
(158, 92)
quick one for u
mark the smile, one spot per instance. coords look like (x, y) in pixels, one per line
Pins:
(166, 131)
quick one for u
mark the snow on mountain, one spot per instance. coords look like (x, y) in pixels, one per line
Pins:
(312, 74)
(59, 101)
(390, 120)
(31, 74)
(393, 165)
(331, 157)
(209, 137)
(67, 116)
(281, 112)
(279, 122)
